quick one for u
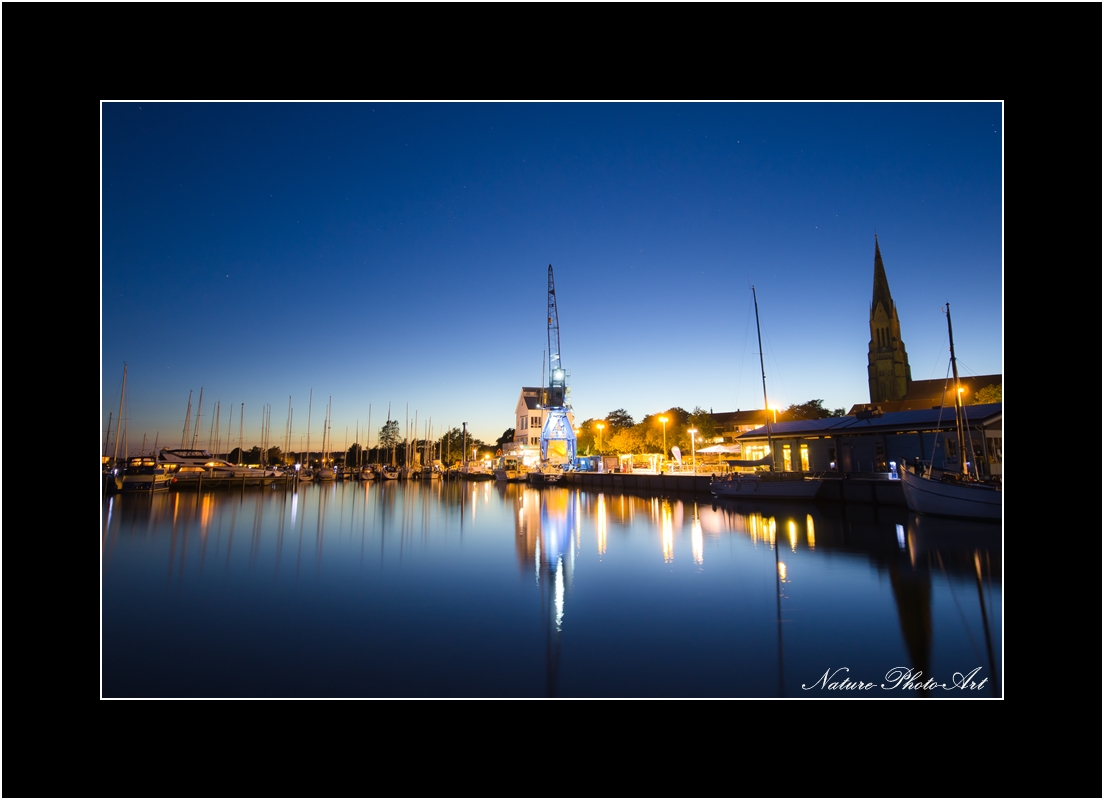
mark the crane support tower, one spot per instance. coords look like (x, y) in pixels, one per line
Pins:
(557, 422)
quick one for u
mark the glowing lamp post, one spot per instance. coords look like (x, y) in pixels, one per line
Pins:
(693, 450)
(599, 426)
(664, 421)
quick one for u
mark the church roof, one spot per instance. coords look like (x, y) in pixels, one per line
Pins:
(932, 394)
(881, 284)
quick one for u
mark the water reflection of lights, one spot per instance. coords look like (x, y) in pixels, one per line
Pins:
(294, 506)
(697, 547)
(206, 512)
(782, 571)
(667, 526)
(793, 536)
(559, 594)
(601, 523)
(811, 535)
(901, 536)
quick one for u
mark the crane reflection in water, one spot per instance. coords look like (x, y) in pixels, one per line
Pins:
(546, 523)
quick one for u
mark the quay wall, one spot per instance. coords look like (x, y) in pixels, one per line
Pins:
(873, 490)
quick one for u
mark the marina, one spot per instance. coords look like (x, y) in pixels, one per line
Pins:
(502, 589)
(716, 504)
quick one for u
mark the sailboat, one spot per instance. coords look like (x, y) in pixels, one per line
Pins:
(765, 485)
(306, 474)
(324, 472)
(957, 493)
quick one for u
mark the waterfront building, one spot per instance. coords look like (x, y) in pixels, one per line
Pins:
(872, 441)
(730, 424)
(528, 416)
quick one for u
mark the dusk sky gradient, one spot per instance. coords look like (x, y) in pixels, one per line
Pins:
(397, 253)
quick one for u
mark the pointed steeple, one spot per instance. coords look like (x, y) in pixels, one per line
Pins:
(887, 362)
(881, 284)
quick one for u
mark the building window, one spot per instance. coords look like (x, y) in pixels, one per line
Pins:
(787, 460)
(534, 422)
(804, 458)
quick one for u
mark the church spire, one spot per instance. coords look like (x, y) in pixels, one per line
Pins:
(887, 362)
(881, 284)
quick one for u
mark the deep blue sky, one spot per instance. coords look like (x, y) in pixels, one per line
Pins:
(397, 253)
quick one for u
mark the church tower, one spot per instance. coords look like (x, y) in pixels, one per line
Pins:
(888, 368)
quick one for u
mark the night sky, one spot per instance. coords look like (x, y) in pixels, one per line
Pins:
(397, 253)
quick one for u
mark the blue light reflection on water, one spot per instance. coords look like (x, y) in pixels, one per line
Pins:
(489, 590)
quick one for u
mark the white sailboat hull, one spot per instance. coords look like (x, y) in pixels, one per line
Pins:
(966, 500)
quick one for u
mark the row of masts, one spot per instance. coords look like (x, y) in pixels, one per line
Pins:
(426, 450)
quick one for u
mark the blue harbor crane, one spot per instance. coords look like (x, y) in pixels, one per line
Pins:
(557, 425)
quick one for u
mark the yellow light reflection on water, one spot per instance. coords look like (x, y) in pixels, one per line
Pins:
(601, 523)
(782, 571)
(666, 523)
(810, 532)
(697, 545)
(206, 513)
(793, 536)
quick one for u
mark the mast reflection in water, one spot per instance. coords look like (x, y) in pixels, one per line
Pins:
(465, 589)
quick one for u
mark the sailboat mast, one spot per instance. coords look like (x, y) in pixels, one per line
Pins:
(187, 420)
(119, 421)
(287, 429)
(310, 403)
(199, 412)
(763, 370)
(964, 438)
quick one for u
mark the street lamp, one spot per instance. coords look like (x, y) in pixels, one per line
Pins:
(664, 421)
(599, 426)
(693, 451)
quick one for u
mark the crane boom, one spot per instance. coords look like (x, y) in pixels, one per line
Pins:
(557, 377)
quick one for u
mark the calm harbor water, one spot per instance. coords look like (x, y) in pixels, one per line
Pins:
(491, 590)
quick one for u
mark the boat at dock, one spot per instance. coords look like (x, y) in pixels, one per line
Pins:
(510, 469)
(545, 475)
(954, 493)
(475, 471)
(143, 474)
(186, 467)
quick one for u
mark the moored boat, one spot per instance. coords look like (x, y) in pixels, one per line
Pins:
(185, 466)
(954, 493)
(143, 474)
(475, 471)
(508, 468)
(951, 495)
(545, 474)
